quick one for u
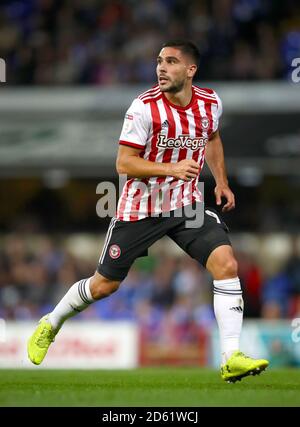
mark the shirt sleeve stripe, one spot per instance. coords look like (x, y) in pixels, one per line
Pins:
(131, 144)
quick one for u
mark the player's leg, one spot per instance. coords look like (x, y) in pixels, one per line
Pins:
(229, 307)
(125, 241)
(228, 300)
(80, 295)
(78, 298)
(210, 245)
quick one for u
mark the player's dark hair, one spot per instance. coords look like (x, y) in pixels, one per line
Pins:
(186, 46)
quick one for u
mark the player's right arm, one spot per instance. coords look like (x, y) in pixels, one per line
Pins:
(129, 163)
(133, 139)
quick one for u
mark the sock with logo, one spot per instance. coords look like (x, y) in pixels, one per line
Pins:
(228, 307)
(77, 299)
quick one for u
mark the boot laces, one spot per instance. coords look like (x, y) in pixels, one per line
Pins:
(240, 353)
(43, 339)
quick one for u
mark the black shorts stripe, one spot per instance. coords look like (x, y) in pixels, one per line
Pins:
(107, 239)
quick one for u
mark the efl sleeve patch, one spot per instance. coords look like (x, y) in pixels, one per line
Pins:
(135, 125)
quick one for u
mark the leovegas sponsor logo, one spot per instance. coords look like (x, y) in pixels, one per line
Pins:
(183, 141)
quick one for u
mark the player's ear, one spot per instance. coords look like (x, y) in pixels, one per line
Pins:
(192, 70)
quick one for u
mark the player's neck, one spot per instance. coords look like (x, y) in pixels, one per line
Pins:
(182, 98)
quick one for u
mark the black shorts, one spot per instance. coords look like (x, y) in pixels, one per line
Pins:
(125, 241)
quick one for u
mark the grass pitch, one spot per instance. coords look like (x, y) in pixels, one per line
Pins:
(148, 387)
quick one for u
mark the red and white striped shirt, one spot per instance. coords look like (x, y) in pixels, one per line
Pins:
(166, 133)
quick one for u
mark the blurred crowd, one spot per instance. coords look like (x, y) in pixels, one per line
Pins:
(105, 42)
(34, 276)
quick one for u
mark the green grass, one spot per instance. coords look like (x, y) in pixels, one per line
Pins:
(146, 387)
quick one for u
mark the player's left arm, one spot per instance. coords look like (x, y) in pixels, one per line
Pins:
(214, 156)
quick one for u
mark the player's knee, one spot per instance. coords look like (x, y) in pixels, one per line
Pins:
(102, 287)
(229, 268)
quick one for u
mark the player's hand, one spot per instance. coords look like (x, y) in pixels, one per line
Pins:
(186, 169)
(224, 191)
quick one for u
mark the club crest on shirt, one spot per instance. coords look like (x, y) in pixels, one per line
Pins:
(205, 123)
(114, 251)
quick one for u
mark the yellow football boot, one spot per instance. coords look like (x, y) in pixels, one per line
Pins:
(239, 366)
(40, 341)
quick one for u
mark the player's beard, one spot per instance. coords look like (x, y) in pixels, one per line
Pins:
(174, 87)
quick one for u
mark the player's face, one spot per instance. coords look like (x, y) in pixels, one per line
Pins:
(173, 69)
